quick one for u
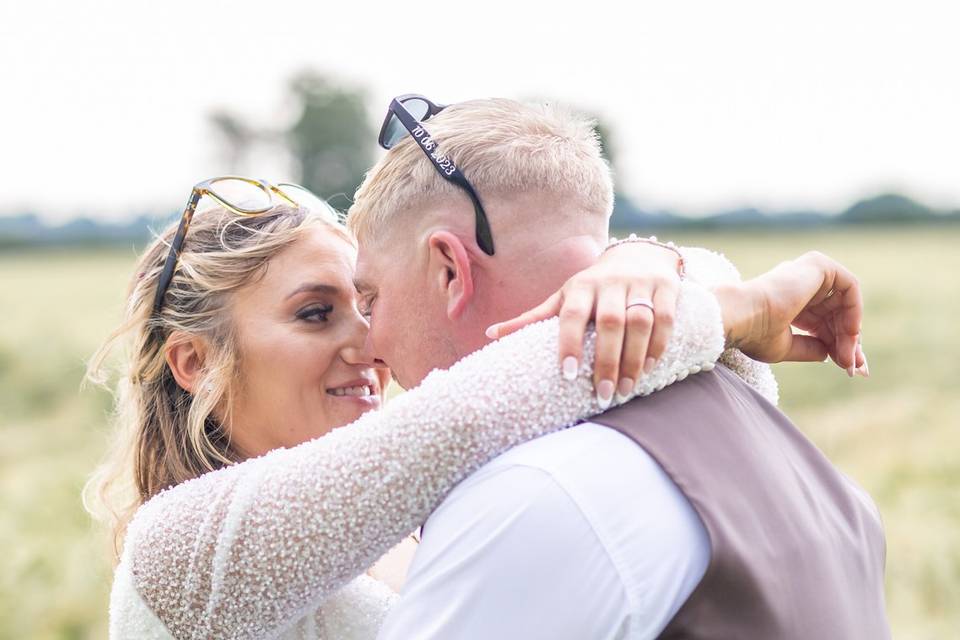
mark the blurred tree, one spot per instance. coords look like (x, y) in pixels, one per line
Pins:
(236, 138)
(330, 139)
(605, 134)
(888, 207)
(626, 214)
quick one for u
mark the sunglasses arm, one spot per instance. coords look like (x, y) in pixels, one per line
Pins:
(483, 232)
(448, 172)
(175, 248)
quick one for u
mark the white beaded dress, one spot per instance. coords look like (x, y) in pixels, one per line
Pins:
(277, 546)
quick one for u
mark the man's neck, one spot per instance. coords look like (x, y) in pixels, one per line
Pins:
(542, 240)
(530, 276)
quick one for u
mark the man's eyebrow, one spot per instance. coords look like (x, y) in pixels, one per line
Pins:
(315, 287)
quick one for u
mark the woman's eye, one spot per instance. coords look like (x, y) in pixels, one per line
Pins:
(315, 313)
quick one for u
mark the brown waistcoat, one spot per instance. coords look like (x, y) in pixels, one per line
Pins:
(796, 553)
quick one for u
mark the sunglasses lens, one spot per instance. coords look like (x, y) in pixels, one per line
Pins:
(306, 199)
(395, 131)
(418, 108)
(242, 195)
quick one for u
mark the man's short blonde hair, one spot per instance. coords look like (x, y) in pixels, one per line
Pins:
(503, 147)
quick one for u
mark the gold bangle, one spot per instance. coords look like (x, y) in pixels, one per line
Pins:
(681, 269)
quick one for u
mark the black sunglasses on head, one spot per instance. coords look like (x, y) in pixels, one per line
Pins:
(406, 115)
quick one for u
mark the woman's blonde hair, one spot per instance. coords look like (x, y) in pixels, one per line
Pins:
(163, 434)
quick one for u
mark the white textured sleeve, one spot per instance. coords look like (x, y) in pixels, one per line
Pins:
(709, 269)
(246, 550)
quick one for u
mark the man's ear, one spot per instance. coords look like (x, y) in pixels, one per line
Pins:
(451, 267)
(185, 355)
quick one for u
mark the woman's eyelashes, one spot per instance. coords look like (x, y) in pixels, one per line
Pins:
(315, 313)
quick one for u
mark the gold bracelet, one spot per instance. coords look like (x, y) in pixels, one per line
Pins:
(681, 269)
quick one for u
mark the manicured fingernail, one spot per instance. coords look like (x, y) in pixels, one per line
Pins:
(850, 371)
(864, 369)
(605, 393)
(624, 388)
(648, 365)
(492, 332)
(570, 367)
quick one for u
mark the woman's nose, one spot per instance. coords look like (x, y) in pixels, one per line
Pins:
(355, 355)
(359, 354)
(360, 349)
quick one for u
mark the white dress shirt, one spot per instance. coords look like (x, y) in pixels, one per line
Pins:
(578, 534)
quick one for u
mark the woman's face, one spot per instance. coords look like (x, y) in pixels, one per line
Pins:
(303, 369)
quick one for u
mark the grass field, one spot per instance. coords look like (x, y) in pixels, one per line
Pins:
(897, 433)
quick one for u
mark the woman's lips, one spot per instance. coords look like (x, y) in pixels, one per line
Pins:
(363, 402)
(362, 390)
(359, 393)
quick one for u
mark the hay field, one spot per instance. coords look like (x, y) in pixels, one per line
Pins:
(897, 433)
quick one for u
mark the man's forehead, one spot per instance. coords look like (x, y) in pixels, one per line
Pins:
(380, 264)
(366, 277)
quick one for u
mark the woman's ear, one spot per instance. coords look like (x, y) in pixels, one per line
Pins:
(186, 355)
(453, 271)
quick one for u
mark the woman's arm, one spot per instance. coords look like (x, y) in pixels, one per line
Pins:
(812, 293)
(630, 341)
(245, 550)
(711, 270)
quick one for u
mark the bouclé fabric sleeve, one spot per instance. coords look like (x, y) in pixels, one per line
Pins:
(245, 551)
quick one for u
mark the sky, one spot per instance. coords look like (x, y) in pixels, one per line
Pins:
(104, 106)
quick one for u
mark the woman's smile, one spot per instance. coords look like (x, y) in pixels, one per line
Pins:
(363, 392)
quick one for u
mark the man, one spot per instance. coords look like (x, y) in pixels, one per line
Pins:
(724, 522)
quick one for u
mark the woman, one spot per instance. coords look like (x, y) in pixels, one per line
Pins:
(225, 395)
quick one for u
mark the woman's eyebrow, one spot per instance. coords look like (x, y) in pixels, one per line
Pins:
(315, 287)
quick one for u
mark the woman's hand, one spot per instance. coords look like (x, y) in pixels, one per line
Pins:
(813, 293)
(629, 339)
